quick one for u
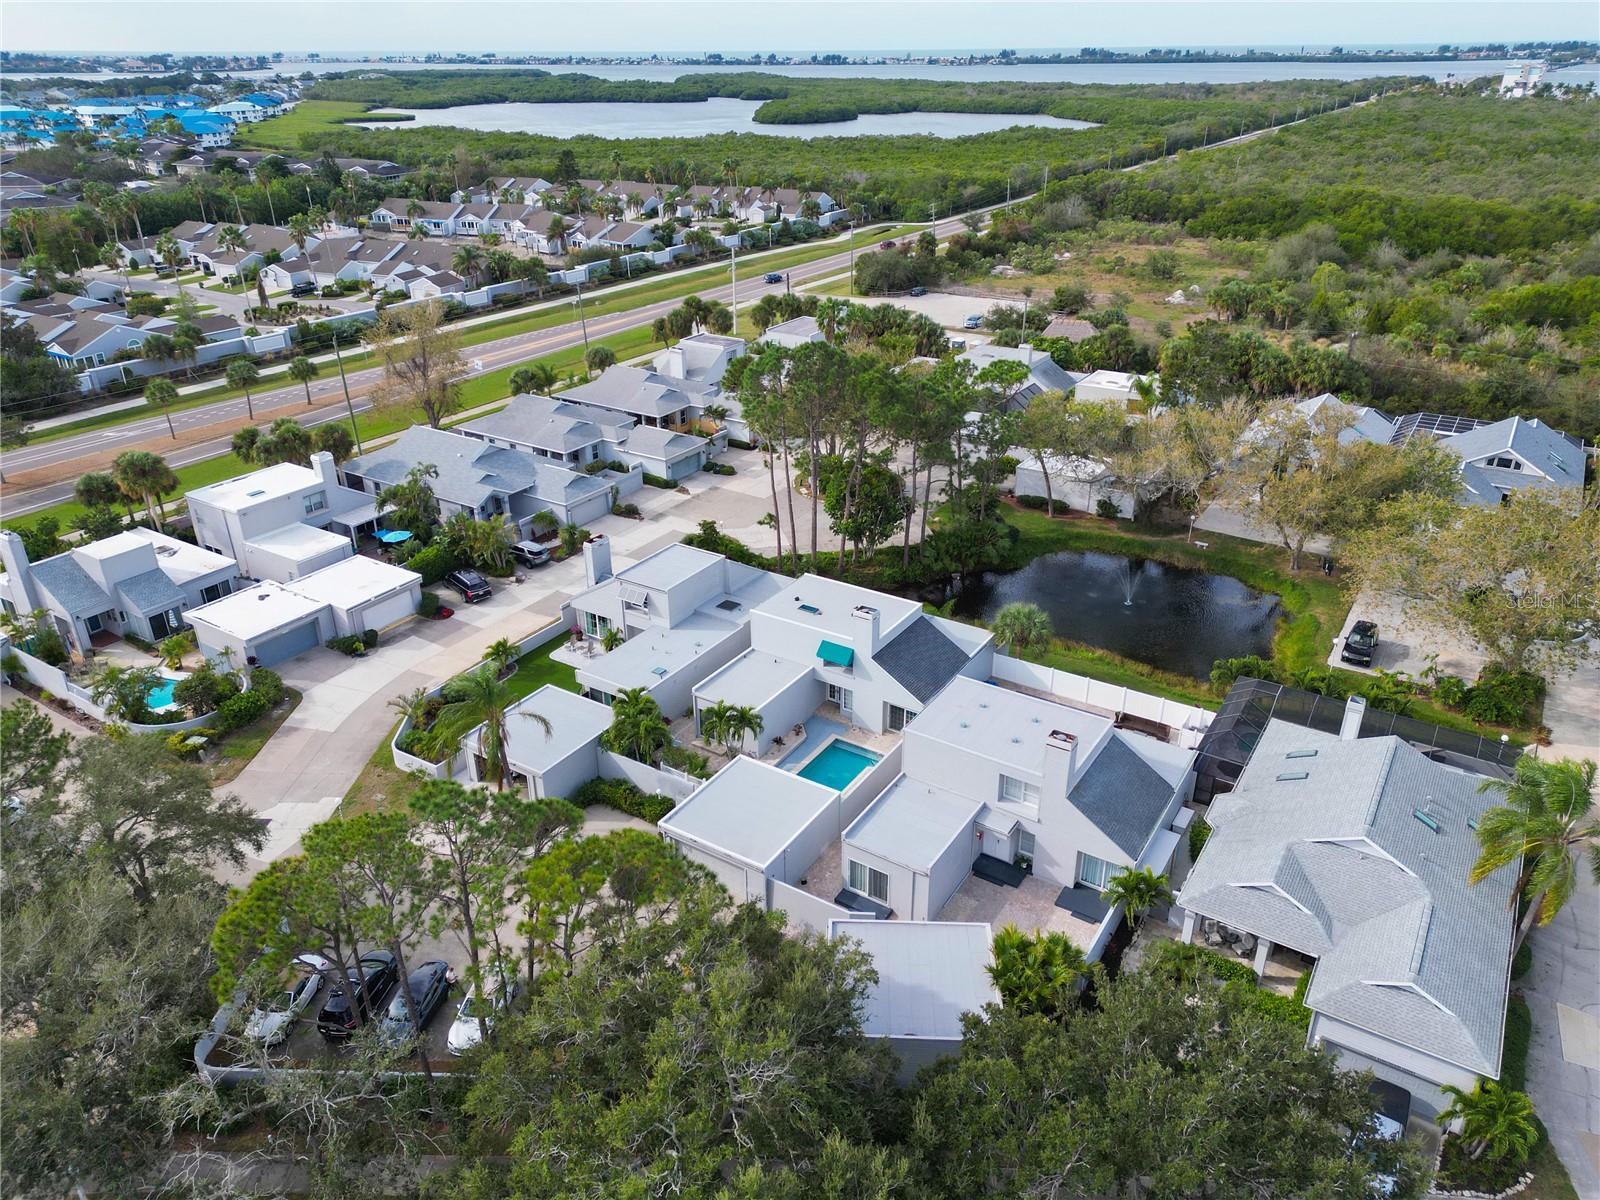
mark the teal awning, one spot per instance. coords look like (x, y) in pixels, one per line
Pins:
(835, 655)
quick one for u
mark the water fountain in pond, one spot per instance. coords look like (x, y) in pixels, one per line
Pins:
(1128, 573)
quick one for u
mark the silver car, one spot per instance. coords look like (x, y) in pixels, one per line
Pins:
(465, 1030)
(271, 1023)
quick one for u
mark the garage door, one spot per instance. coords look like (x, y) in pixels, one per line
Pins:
(386, 612)
(274, 650)
(591, 509)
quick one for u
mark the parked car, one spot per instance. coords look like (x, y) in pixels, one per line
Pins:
(1359, 644)
(429, 986)
(303, 289)
(271, 1022)
(772, 277)
(919, 290)
(974, 321)
(465, 1030)
(374, 976)
(530, 554)
(469, 585)
(886, 244)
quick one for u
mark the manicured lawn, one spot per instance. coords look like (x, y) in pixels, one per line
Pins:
(537, 668)
(239, 747)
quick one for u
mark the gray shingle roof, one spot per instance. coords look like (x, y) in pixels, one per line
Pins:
(641, 392)
(921, 659)
(470, 472)
(1122, 794)
(71, 585)
(1337, 865)
(151, 592)
(537, 421)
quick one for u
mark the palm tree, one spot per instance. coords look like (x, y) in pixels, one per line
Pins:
(502, 655)
(598, 358)
(1495, 1120)
(611, 639)
(467, 262)
(161, 393)
(242, 372)
(1036, 974)
(489, 543)
(1545, 823)
(484, 705)
(246, 443)
(169, 252)
(144, 476)
(230, 237)
(304, 370)
(1021, 626)
(1137, 892)
(638, 730)
(538, 377)
(412, 706)
(728, 725)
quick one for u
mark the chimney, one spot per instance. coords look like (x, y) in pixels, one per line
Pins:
(672, 363)
(1354, 709)
(1027, 353)
(868, 616)
(15, 557)
(597, 559)
(1060, 759)
(322, 464)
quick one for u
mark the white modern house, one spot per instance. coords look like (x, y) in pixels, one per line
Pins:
(1353, 853)
(683, 614)
(930, 975)
(137, 582)
(797, 331)
(284, 521)
(547, 763)
(699, 358)
(269, 622)
(482, 480)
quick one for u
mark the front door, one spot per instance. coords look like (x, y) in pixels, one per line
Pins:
(840, 696)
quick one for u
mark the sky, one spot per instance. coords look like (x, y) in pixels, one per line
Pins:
(779, 26)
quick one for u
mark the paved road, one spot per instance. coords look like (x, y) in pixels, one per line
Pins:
(152, 432)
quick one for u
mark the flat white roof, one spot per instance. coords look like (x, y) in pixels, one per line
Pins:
(749, 809)
(929, 973)
(298, 541)
(1003, 725)
(826, 605)
(753, 679)
(262, 609)
(912, 823)
(179, 561)
(574, 721)
(354, 580)
(669, 566)
(280, 479)
(659, 653)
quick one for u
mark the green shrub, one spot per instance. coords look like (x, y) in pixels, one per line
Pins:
(658, 481)
(1199, 834)
(347, 644)
(369, 638)
(1037, 503)
(1451, 691)
(238, 711)
(268, 684)
(736, 444)
(177, 742)
(1287, 1009)
(621, 794)
(204, 690)
(433, 562)
(1225, 671)
(1502, 697)
(1522, 961)
(1107, 509)
(1514, 1048)
(716, 468)
(687, 760)
(624, 510)
(428, 606)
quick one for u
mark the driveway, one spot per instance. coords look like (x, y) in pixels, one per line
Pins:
(1406, 642)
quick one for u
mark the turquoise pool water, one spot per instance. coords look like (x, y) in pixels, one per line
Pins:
(160, 697)
(837, 764)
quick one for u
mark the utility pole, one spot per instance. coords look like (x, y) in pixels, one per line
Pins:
(582, 324)
(733, 293)
(345, 383)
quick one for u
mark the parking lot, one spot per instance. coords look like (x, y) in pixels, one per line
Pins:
(951, 311)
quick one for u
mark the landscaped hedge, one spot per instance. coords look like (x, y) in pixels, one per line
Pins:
(659, 481)
(619, 793)
(432, 562)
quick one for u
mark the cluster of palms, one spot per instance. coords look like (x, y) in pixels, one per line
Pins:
(694, 315)
(497, 265)
(729, 725)
(638, 729)
(286, 440)
(486, 544)
(1036, 973)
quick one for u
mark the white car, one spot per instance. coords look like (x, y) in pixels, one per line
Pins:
(465, 1031)
(270, 1025)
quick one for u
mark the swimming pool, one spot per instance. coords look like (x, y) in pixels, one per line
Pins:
(838, 763)
(160, 696)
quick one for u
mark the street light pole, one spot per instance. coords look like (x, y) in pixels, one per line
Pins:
(345, 383)
(733, 292)
(582, 324)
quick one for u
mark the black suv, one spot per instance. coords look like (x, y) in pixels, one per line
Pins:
(374, 976)
(429, 986)
(1359, 644)
(471, 586)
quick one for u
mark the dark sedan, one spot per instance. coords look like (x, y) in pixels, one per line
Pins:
(374, 976)
(429, 986)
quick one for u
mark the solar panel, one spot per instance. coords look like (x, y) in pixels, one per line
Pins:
(1435, 425)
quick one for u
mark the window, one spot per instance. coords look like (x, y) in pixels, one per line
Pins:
(1507, 462)
(316, 502)
(1019, 791)
(841, 697)
(215, 591)
(594, 625)
(1025, 843)
(869, 881)
(899, 717)
(1096, 872)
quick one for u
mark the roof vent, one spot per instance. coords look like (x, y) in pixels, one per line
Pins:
(1301, 754)
(257, 492)
(1427, 819)
(1292, 775)
(812, 609)
(1472, 823)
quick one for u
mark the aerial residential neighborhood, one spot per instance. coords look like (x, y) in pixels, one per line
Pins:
(607, 618)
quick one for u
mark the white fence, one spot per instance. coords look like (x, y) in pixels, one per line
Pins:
(646, 778)
(54, 681)
(804, 909)
(1107, 696)
(273, 342)
(868, 786)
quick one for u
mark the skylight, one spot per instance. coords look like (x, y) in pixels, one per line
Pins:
(1301, 754)
(1290, 775)
(1426, 819)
